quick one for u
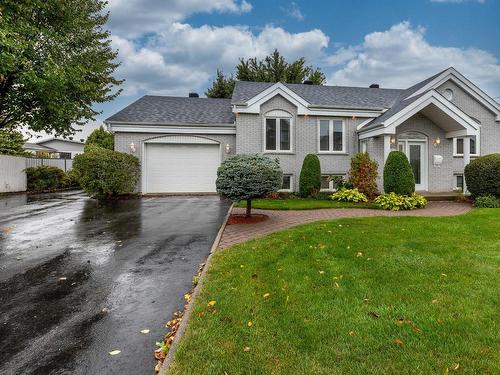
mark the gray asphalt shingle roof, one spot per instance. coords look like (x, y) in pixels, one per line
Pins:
(169, 110)
(331, 96)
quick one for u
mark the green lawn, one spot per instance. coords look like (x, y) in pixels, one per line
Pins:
(302, 204)
(402, 295)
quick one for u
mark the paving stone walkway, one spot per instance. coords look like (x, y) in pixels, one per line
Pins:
(279, 220)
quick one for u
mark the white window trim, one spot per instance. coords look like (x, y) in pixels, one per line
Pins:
(478, 152)
(330, 135)
(291, 184)
(278, 135)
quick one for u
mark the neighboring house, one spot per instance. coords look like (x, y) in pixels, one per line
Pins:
(38, 149)
(64, 148)
(439, 123)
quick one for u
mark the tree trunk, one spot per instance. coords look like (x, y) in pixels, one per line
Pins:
(249, 208)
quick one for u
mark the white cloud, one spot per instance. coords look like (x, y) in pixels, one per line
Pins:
(295, 12)
(184, 57)
(400, 57)
(132, 18)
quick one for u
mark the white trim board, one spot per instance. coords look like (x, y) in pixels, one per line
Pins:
(171, 130)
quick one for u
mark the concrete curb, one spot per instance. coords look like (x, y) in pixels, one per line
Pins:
(187, 314)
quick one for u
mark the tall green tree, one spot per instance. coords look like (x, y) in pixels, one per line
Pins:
(222, 86)
(11, 143)
(273, 68)
(102, 138)
(56, 61)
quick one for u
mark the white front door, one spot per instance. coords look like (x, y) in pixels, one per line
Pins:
(416, 152)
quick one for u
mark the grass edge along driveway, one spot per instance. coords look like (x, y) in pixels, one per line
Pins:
(302, 204)
(353, 296)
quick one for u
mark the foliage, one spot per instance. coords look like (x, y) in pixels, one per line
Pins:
(487, 201)
(310, 176)
(349, 195)
(285, 204)
(482, 176)
(222, 87)
(363, 174)
(398, 175)
(104, 174)
(340, 182)
(273, 68)
(11, 143)
(352, 286)
(396, 202)
(246, 177)
(102, 138)
(56, 62)
(45, 178)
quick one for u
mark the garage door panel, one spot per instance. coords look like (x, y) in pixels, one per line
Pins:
(175, 168)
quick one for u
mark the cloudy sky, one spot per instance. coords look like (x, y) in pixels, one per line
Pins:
(172, 47)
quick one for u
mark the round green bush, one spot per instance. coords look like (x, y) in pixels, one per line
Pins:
(246, 177)
(100, 137)
(398, 175)
(103, 173)
(45, 178)
(486, 201)
(482, 176)
(310, 176)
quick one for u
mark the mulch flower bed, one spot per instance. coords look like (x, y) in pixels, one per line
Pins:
(243, 219)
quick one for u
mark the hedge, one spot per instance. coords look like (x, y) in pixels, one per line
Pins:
(398, 175)
(46, 178)
(310, 176)
(482, 176)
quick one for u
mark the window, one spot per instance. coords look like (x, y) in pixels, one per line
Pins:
(278, 134)
(448, 94)
(287, 183)
(458, 146)
(364, 146)
(331, 136)
(328, 183)
(459, 182)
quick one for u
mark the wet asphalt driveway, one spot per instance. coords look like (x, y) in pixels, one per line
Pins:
(64, 258)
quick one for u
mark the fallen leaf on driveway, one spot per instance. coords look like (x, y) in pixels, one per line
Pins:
(145, 331)
(399, 343)
(7, 230)
(114, 352)
(63, 278)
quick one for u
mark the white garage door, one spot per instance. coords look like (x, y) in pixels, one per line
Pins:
(181, 168)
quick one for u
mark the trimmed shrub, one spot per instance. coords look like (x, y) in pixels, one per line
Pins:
(310, 176)
(45, 178)
(246, 177)
(348, 195)
(482, 176)
(487, 201)
(102, 138)
(395, 202)
(340, 182)
(103, 173)
(398, 175)
(363, 174)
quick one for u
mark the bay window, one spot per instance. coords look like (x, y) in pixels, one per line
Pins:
(331, 136)
(458, 146)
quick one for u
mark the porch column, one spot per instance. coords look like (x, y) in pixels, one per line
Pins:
(387, 146)
(466, 157)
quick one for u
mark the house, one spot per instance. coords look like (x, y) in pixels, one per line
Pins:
(439, 123)
(63, 148)
(38, 149)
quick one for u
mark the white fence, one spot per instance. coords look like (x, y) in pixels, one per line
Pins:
(64, 164)
(12, 175)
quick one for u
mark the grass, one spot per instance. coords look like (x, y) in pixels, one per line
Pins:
(302, 204)
(403, 295)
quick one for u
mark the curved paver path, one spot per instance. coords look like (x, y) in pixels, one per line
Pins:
(279, 220)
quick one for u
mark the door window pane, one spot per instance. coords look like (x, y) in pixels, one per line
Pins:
(473, 145)
(284, 134)
(324, 135)
(460, 146)
(415, 162)
(270, 134)
(337, 135)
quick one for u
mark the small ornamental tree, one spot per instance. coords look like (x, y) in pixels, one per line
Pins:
(11, 143)
(310, 176)
(482, 176)
(246, 177)
(363, 174)
(102, 138)
(398, 175)
(105, 174)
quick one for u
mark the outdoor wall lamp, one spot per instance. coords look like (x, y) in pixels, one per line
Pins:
(227, 148)
(437, 142)
(393, 140)
(132, 147)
